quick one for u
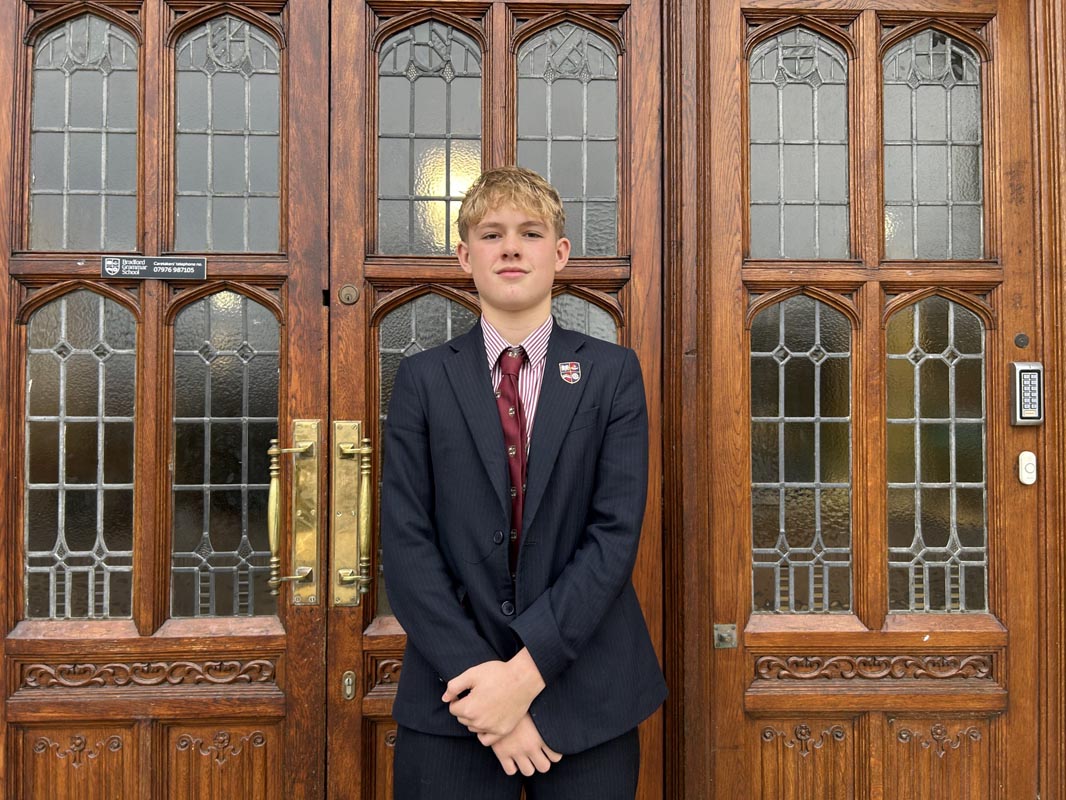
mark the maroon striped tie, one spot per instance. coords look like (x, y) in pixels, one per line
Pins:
(513, 419)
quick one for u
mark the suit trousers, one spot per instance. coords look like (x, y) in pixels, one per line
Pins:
(429, 767)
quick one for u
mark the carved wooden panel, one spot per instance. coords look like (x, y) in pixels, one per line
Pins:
(929, 758)
(924, 668)
(221, 761)
(155, 673)
(380, 738)
(89, 763)
(383, 674)
(805, 759)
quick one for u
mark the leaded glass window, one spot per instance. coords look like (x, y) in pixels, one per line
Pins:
(798, 139)
(937, 523)
(422, 323)
(80, 396)
(228, 194)
(429, 136)
(580, 315)
(801, 458)
(932, 127)
(83, 139)
(226, 383)
(568, 129)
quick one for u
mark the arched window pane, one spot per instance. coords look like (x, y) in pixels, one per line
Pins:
(937, 531)
(226, 382)
(429, 136)
(580, 315)
(80, 390)
(798, 95)
(83, 140)
(228, 195)
(422, 323)
(568, 129)
(932, 127)
(801, 458)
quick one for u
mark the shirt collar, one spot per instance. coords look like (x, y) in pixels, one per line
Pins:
(535, 345)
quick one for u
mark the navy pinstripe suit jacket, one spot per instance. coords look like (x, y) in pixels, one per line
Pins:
(445, 511)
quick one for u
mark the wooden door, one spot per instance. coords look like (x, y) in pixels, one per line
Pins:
(423, 97)
(860, 555)
(143, 654)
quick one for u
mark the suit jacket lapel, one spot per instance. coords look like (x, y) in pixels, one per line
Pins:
(471, 381)
(555, 408)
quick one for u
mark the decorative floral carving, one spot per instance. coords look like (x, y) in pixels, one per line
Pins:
(939, 739)
(390, 738)
(932, 667)
(222, 746)
(156, 673)
(802, 738)
(383, 675)
(78, 750)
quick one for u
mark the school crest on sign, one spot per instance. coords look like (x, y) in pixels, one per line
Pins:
(570, 371)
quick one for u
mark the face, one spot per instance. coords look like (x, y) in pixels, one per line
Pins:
(513, 258)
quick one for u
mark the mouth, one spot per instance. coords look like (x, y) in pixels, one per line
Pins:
(511, 272)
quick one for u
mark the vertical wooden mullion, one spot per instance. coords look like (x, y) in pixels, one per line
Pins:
(868, 121)
(498, 90)
(154, 79)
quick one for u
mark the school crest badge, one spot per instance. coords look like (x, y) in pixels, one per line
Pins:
(570, 371)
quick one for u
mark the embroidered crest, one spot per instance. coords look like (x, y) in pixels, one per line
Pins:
(570, 371)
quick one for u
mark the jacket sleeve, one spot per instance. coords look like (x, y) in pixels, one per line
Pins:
(559, 622)
(419, 584)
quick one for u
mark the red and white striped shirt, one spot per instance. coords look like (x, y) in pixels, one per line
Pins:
(530, 374)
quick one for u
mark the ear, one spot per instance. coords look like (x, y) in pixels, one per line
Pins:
(463, 253)
(562, 253)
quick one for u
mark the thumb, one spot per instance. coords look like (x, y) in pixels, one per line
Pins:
(457, 685)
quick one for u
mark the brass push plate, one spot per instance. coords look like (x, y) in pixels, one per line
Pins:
(344, 557)
(305, 524)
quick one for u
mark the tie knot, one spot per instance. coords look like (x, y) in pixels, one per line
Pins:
(511, 360)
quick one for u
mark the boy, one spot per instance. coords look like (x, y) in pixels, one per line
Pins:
(513, 493)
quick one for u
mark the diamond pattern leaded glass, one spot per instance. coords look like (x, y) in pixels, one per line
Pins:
(80, 390)
(429, 136)
(226, 383)
(801, 458)
(932, 129)
(937, 526)
(418, 325)
(228, 194)
(83, 139)
(798, 107)
(568, 129)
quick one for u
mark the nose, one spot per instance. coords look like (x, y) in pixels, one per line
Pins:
(511, 246)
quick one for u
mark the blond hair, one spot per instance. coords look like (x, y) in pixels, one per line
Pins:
(517, 186)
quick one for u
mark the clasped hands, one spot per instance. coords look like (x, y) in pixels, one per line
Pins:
(496, 708)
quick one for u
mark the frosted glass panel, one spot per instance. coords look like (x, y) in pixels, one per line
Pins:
(228, 139)
(578, 314)
(226, 386)
(933, 146)
(83, 138)
(937, 542)
(568, 129)
(801, 458)
(798, 131)
(79, 459)
(429, 136)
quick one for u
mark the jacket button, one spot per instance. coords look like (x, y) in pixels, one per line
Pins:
(498, 537)
(507, 607)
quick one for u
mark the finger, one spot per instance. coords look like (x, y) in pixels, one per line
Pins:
(456, 686)
(489, 739)
(540, 761)
(555, 757)
(508, 765)
(525, 765)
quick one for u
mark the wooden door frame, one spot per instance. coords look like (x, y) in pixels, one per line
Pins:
(688, 560)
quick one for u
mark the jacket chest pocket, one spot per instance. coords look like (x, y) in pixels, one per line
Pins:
(585, 418)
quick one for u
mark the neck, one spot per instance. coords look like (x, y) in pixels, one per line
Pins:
(515, 328)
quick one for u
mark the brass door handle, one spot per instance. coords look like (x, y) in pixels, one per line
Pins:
(352, 499)
(304, 513)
